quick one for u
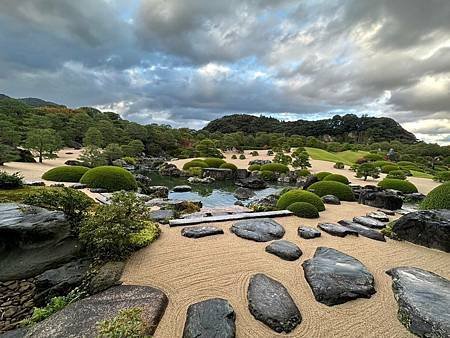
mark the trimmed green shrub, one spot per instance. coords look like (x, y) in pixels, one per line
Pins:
(339, 165)
(388, 168)
(195, 164)
(242, 157)
(146, 236)
(438, 198)
(404, 186)
(337, 178)
(338, 189)
(10, 181)
(254, 167)
(110, 178)
(275, 167)
(214, 162)
(398, 174)
(321, 175)
(129, 160)
(303, 172)
(254, 153)
(304, 209)
(373, 157)
(195, 171)
(228, 166)
(233, 157)
(380, 164)
(267, 175)
(442, 176)
(65, 174)
(270, 153)
(298, 195)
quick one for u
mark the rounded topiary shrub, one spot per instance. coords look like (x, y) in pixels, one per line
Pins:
(228, 166)
(304, 209)
(233, 157)
(337, 178)
(269, 152)
(380, 164)
(338, 189)
(442, 176)
(438, 198)
(303, 172)
(321, 175)
(254, 167)
(298, 195)
(214, 162)
(339, 165)
(65, 174)
(110, 178)
(254, 153)
(404, 186)
(388, 168)
(242, 157)
(195, 164)
(398, 174)
(267, 175)
(275, 167)
(373, 157)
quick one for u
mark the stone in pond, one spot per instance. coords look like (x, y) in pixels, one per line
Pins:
(182, 188)
(331, 199)
(308, 232)
(337, 229)
(423, 301)
(270, 303)
(200, 231)
(378, 215)
(363, 231)
(259, 230)
(242, 193)
(369, 222)
(80, 319)
(284, 249)
(210, 318)
(336, 278)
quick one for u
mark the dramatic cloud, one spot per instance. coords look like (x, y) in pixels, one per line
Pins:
(186, 62)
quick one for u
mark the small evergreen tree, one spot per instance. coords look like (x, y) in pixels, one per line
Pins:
(367, 169)
(7, 154)
(282, 158)
(43, 142)
(93, 137)
(92, 156)
(300, 159)
(112, 152)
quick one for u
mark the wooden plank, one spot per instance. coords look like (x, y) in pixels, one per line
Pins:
(233, 217)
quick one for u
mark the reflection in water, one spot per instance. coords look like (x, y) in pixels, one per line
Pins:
(216, 194)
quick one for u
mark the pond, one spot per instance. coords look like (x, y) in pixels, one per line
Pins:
(212, 195)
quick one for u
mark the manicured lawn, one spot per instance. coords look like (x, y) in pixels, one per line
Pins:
(348, 157)
(420, 174)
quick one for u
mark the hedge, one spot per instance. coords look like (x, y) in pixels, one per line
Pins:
(442, 176)
(398, 174)
(304, 209)
(337, 178)
(65, 174)
(321, 175)
(380, 164)
(195, 164)
(389, 167)
(254, 167)
(110, 178)
(214, 162)
(303, 172)
(228, 166)
(373, 157)
(438, 198)
(275, 167)
(298, 195)
(338, 189)
(404, 186)
(267, 175)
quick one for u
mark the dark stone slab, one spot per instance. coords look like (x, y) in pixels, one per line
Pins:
(423, 299)
(308, 232)
(331, 199)
(337, 229)
(98, 190)
(369, 222)
(336, 278)
(17, 333)
(363, 231)
(259, 230)
(380, 199)
(387, 212)
(201, 231)
(182, 188)
(162, 216)
(379, 216)
(285, 250)
(270, 303)
(252, 182)
(242, 193)
(430, 228)
(210, 318)
(79, 319)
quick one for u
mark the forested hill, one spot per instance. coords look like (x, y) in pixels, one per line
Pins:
(347, 128)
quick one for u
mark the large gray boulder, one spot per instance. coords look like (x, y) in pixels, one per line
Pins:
(242, 193)
(80, 319)
(33, 240)
(363, 230)
(259, 230)
(270, 303)
(380, 199)
(210, 318)
(336, 278)
(252, 182)
(108, 275)
(369, 222)
(284, 249)
(331, 199)
(430, 228)
(423, 301)
(308, 232)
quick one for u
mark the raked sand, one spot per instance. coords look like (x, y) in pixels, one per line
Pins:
(192, 270)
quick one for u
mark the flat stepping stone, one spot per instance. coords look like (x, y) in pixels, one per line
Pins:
(387, 212)
(369, 222)
(331, 199)
(182, 188)
(308, 232)
(162, 216)
(270, 303)
(336, 277)
(201, 231)
(337, 229)
(423, 299)
(379, 216)
(285, 250)
(210, 318)
(80, 319)
(259, 230)
(363, 231)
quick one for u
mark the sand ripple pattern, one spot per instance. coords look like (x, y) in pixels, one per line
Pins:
(192, 270)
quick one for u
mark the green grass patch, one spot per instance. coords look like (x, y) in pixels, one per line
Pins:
(347, 157)
(420, 174)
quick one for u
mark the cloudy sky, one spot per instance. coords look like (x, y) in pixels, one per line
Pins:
(185, 63)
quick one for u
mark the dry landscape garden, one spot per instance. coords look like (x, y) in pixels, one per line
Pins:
(250, 227)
